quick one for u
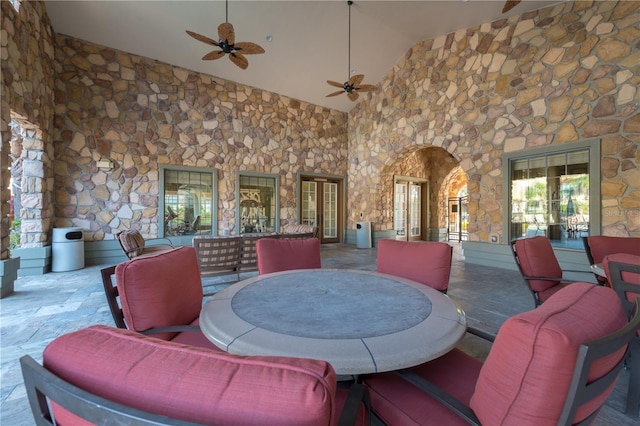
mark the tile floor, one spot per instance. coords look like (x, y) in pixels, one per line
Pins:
(47, 306)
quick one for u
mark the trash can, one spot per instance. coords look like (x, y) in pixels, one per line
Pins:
(67, 249)
(363, 235)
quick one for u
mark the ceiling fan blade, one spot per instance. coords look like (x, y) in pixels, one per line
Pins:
(366, 88)
(226, 33)
(249, 48)
(356, 79)
(353, 95)
(239, 59)
(510, 4)
(339, 92)
(202, 38)
(216, 54)
(335, 84)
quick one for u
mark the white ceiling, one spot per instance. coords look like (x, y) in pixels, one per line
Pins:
(310, 38)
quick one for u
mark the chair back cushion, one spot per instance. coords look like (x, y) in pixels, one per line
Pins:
(601, 246)
(527, 374)
(132, 242)
(427, 262)
(281, 254)
(192, 384)
(537, 259)
(160, 290)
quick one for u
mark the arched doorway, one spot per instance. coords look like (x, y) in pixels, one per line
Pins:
(432, 169)
(457, 201)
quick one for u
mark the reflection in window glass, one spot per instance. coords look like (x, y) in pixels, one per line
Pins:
(550, 197)
(309, 203)
(257, 204)
(188, 202)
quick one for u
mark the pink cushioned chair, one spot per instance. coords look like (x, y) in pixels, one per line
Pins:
(554, 365)
(623, 271)
(597, 247)
(103, 375)
(283, 254)
(539, 267)
(426, 262)
(160, 295)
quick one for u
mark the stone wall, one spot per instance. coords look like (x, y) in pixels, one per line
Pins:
(560, 74)
(27, 97)
(140, 114)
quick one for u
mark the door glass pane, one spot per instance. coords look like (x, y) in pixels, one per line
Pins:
(188, 202)
(400, 210)
(330, 215)
(415, 201)
(309, 203)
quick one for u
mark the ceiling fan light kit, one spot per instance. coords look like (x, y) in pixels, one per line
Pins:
(353, 85)
(227, 44)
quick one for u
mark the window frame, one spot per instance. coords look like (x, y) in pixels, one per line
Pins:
(161, 196)
(276, 178)
(593, 146)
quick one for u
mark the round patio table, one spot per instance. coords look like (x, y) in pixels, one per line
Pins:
(359, 321)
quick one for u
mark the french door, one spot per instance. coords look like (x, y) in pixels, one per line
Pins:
(321, 206)
(409, 213)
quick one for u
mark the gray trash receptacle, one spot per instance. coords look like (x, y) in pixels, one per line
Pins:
(67, 249)
(363, 235)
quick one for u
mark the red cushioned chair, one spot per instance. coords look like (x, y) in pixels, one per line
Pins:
(597, 247)
(103, 375)
(159, 295)
(426, 262)
(539, 267)
(284, 254)
(623, 271)
(554, 365)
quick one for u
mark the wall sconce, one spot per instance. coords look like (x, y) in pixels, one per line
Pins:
(105, 164)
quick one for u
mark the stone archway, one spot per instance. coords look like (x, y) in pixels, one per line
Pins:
(436, 165)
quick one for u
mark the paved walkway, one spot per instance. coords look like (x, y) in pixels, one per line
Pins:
(47, 306)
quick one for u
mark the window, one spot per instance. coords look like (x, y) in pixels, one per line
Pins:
(554, 193)
(188, 201)
(258, 206)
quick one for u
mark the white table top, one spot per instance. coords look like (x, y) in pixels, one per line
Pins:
(359, 321)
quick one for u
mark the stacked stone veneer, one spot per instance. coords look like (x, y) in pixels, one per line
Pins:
(140, 114)
(561, 74)
(27, 98)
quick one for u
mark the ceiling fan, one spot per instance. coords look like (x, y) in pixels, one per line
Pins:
(227, 44)
(510, 4)
(352, 86)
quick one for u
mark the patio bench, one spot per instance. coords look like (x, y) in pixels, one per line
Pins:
(234, 254)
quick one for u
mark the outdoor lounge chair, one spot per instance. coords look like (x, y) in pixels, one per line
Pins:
(159, 295)
(553, 365)
(539, 267)
(597, 247)
(104, 375)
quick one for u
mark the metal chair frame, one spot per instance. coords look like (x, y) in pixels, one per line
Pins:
(621, 287)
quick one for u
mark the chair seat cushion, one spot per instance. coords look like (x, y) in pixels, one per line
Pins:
(531, 362)
(398, 402)
(194, 338)
(192, 384)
